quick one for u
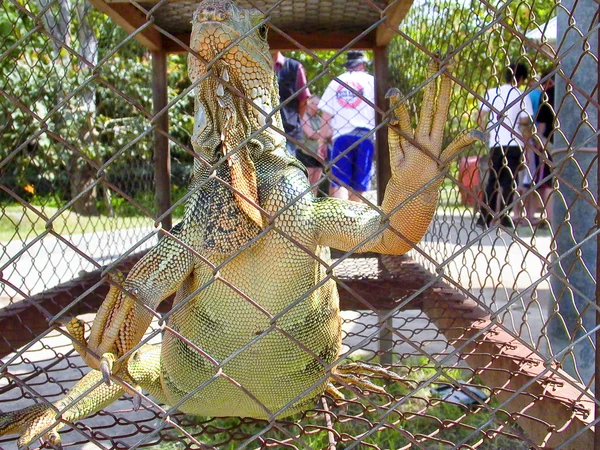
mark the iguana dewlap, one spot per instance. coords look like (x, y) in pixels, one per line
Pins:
(255, 329)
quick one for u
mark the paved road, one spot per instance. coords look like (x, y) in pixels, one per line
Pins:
(36, 265)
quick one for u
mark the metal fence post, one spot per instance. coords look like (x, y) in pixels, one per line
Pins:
(575, 162)
(597, 369)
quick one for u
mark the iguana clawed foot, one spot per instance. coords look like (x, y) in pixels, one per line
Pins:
(427, 137)
(106, 324)
(76, 328)
(357, 374)
(29, 423)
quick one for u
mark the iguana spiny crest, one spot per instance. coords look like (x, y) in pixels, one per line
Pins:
(236, 95)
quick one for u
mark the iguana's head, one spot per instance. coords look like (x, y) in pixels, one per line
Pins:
(236, 92)
(234, 67)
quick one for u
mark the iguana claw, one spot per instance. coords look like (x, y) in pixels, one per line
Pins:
(393, 94)
(137, 398)
(106, 366)
(357, 374)
(54, 440)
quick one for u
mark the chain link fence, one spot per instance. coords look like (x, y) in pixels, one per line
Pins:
(491, 319)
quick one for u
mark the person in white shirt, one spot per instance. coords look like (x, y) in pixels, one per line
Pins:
(506, 110)
(348, 118)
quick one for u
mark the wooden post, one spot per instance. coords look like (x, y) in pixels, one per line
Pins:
(162, 157)
(386, 343)
(380, 67)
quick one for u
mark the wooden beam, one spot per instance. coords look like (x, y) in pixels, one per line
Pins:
(319, 41)
(384, 172)
(547, 404)
(27, 319)
(162, 155)
(130, 19)
(395, 13)
(312, 41)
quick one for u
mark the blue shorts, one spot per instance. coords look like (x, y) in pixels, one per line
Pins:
(353, 168)
(291, 147)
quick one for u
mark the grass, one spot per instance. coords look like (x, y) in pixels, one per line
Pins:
(21, 224)
(435, 424)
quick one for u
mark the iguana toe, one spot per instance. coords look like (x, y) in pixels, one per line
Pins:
(136, 399)
(358, 374)
(460, 142)
(393, 95)
(53, 438)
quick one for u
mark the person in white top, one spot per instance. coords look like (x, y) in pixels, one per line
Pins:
(348, 118)
(505, 111)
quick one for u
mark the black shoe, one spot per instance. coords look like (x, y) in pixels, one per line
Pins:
(507, 222)
(481, 223)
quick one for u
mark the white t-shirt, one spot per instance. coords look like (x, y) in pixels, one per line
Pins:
(511, 102)
(350, 111)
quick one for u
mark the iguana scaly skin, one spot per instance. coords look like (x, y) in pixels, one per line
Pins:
(255, 329)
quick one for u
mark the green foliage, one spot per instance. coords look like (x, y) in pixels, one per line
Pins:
(48, 88)
(483, 50)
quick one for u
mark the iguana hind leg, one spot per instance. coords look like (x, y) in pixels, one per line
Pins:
(89, 395)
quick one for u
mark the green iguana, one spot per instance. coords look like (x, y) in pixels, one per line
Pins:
(255, 329)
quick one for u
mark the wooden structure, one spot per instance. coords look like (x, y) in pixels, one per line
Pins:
(517, 375)
(334, 24)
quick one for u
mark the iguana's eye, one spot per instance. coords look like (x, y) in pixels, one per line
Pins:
(262, 31)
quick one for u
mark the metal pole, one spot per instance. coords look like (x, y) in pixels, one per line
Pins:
(573, 218)
(162, 157)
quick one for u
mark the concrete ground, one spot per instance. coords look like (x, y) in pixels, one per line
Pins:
(501, 270)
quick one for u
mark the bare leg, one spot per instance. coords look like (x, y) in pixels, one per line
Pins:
(352, 196)
(339, 192)
(546, 200)
(535, 205)
(519, 206)
(314, 175)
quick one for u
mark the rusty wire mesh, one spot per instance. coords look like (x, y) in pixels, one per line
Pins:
(77, 180)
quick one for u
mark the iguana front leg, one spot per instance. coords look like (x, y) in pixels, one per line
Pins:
(417, 165)
(126, 313)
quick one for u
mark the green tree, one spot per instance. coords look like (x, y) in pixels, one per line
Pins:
(483, 50)
(66, 116)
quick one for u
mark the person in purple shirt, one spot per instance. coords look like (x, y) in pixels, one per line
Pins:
(291, 77)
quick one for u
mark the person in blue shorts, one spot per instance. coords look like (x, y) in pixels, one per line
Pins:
(349, 119)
